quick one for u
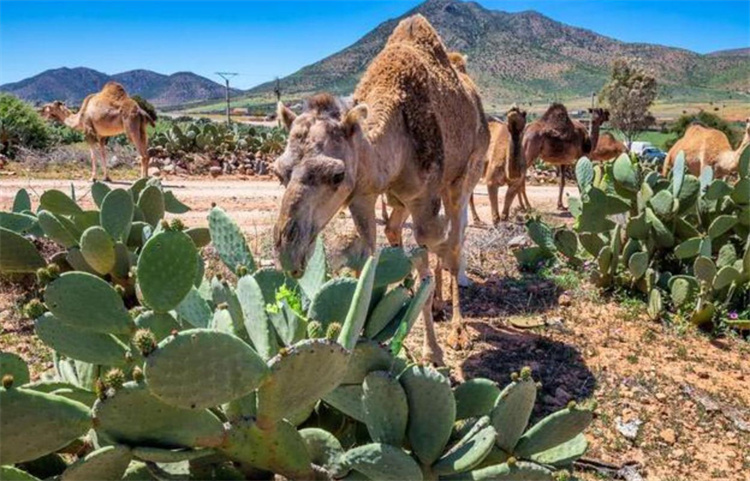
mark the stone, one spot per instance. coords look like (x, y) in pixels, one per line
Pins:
(668, 436)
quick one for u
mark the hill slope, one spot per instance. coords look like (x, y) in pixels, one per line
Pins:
(527, 56)
(72, 85)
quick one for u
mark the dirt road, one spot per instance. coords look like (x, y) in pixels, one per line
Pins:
(253, 203)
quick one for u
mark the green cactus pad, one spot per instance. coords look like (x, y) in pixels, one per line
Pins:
(194, 310)
(21, 201)
(99, 191)
(470, 451)
(348, 400)
(432, 411)
(717, 189)
(721, 225)
(392, 267)
(107, 463)
(638, 264)
(136, 188)
(688, 249)
(98, 249)
(563, 455)
(161, 324)
(81, 344)
(654, 304)
(10, 473)
(475, 397)
(357, 315)
(411, 314)
(58, 203)
(300, 375)
(727, 256)
(726, 276)
(704, 269)
(279, 449)
(18, 223)
(566, 241)
(520, 471)
(166, 269)
(584, 174)
(331, 303)
(662, 203)
(386, 310)
(86, 219)
(511, 413)
(64, 389)
(229, 242)
(257, 324)
(663, 235)
(88, 302)
(200, 236)
(555, 429)
(593, 243)
(315, 272)
(18, 254)
(625, 173)
(323, 447)
(689, 193)
(14, 365)
(382, 462)
(151, 203)
(199, 368)
(116, 214)
(367, 356)
(386, 408)
(34, 424)
(134, 417)
(55, 230)
(541, 234)
(173, 205)
(159, 455)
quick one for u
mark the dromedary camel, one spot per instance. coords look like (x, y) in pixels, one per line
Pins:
(605, 145)
(557, 140)
(417, 132)
(106, 114)
(505, 165)
(704, 146)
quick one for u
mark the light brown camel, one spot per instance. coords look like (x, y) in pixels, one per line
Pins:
(704, 146)
(106, 114)
(604, 145)
(417, 132)
(557, 140)
(505, 165)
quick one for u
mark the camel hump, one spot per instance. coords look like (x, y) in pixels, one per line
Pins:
(417, 32)
(114, 90)
(556, 123)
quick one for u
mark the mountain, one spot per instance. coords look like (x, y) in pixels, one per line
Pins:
(72, 85)
(527, 56)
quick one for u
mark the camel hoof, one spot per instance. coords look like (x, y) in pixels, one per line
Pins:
(108, 179)
(459, 339)
(433, 358)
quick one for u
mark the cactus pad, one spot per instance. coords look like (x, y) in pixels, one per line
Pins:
(382, 462)
(56, 230)
(34, 424)
(521, 470)
(367, 356)
(555, 429)
(133, 416)
(475, 397)
(332, 301)
(81, 344)
(161, 324)
(18, 254)
(173, 205)
(299, 376)
(393, 266)
(432, 411)
(88, 302)
(109, 462)
(257, 324)
(348, 400)
(12, 364)
(385, 310)
(58, 203)
(323, 447)
(151, 203)
(159, 455)
(563, 455)
(357, 315)
(194, 310)
(229, 242)
(98, 249)
(166, 269)
(116, 214)
(200, 236)
(511, 413)
(315, 272)
(469, 451)
(721, 225)
(386, 408)
(411, 314)
(199, 368)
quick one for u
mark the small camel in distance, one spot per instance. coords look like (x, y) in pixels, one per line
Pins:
(707, 147)
(106, 114)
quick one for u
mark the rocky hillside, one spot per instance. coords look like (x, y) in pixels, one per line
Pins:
(73, 84)
(527, 56)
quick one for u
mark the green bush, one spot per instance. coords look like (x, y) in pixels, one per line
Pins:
(706, 119)
(20, 126)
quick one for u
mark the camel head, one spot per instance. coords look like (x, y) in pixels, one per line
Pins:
(599, 116)
(318, 168)
(516, 119)
(54, 111)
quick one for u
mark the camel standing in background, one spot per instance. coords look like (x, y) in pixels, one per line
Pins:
(417, 132)
(557, 140)
(604, 145)
(106, 114)
(505, 165)
(704, 146)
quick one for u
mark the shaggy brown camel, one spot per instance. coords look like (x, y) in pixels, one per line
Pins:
(505, 165)
(557, 140)
(704, 146)
(605, 145)
(106, 114)
(417, 132)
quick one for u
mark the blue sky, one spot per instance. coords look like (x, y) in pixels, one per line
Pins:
(264, 39)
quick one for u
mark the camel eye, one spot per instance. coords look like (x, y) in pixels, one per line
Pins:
(337, 178)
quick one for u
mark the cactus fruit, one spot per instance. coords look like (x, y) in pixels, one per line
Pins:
(114, 378)
(315, 330)
(33, 309)
(145, 341)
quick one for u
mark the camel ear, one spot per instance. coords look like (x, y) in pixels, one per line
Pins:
(285, 115)
(353, 117)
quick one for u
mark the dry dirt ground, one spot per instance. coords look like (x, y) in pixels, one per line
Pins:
(685, 394)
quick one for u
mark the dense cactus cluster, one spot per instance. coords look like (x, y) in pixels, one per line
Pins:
(225, 379)
(681, 240)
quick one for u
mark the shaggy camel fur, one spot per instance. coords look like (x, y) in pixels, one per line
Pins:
(505, 165)
(704, 146)
(557, 140)
(106, 114)
(417, 132)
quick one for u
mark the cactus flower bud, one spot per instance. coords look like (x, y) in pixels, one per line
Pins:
(43, 276)
(333, 331)
(177, 225)
(525, 373)
(114, 378)
(54, 270)
(315, 330)
(145, 341)
(241, 270)
(514, 376)
(137, 374)
(34, 309)
(572, 405)
(164, 224)
(7, 381)
(512, 461)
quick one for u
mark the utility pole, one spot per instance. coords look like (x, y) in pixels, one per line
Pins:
(277, 90)
(226, 76)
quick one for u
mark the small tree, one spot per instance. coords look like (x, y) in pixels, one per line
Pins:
(629, 94)
(20, 126)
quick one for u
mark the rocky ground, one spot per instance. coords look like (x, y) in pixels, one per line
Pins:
(673, 403)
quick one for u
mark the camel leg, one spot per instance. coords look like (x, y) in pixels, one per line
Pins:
(561, 173)
(136, 131)
(524, 196)
(513, 190)
(363, 214)
(431, 351)
(474, 214)
(494, 203)
(384, 208)
(395, 225)
(92, 152)
(103, 157)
